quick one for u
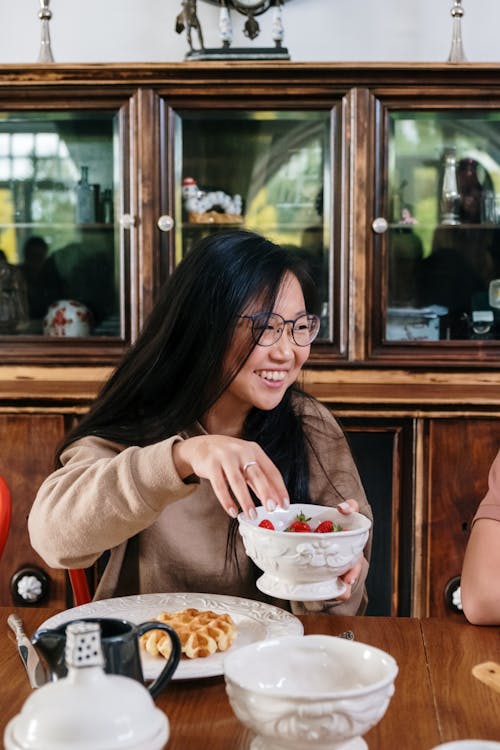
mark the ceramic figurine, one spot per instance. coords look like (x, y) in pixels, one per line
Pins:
(214, 206)
(188, 19)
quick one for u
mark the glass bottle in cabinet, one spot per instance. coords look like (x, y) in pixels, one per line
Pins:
(85, 199)
(443, 241)
(450, 197)
(266, 171)
(53, 229)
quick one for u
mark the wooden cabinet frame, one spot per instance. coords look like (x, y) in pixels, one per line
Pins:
(405, 389)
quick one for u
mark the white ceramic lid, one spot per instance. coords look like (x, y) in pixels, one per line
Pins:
(93, 712)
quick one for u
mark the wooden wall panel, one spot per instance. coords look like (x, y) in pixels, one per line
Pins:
(460, 452)
(27, 445)
(382, 452)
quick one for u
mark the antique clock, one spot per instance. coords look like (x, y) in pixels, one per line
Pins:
(249, 9)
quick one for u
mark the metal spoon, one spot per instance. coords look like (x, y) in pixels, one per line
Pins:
(28, 653)
(347, 634)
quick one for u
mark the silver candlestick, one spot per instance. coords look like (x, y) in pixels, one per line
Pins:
(457, 52)
(45, 14)
(225, 25)
(277, 29)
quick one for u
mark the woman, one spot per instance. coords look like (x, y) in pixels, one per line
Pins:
(201, 419)
(480, 581)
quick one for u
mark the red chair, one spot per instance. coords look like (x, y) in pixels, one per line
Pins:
(78, 578)
(5, 513)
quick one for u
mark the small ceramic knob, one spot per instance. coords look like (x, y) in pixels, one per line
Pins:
(29, 586)
(127, 221)
(165, 223)
(380, 225)
(452, 595)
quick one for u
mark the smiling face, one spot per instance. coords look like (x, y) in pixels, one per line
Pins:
(268, 371)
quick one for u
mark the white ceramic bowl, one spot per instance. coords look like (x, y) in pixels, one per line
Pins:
(67, 317)
(313, 691)
(304, 566)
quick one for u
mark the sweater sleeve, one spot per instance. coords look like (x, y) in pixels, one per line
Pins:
(102, 495)
(489, 507)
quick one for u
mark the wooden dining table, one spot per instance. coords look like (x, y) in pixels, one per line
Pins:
(437, 698)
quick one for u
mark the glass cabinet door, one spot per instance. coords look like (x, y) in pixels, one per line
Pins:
(265, 171)
(442, 266)
(59, 248)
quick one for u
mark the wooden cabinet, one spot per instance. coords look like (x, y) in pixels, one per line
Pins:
(459, 454)
(345, 164)
(382, 449)
(27, 445)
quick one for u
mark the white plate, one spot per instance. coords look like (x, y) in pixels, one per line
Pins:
(255, 621)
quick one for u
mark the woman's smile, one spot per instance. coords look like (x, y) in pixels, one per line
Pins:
(272, 377)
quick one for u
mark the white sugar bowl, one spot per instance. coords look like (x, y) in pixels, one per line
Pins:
(88, 709)
(315, 692)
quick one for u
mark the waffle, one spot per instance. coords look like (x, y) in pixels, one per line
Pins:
(201, 633)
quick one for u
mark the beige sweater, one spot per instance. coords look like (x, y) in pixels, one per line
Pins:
(166, 535)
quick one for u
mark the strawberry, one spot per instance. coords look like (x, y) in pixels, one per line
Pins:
(326, 527)
(300, 525)
(266, 524)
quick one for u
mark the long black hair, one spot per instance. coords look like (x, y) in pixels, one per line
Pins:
(174, 372)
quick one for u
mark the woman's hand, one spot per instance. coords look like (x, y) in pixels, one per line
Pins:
(352, 575)
(232, 465)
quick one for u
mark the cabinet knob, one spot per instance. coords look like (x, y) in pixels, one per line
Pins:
(380, 225)
(127, 221)
(29, 586)
(452, 595)
(165, 223)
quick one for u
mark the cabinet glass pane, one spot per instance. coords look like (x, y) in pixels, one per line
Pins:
(443, 274)
(58, 241)
(265, 171)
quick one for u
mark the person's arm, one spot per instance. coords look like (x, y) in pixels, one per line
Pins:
(101, 496)
(105, 493)
(480, 580)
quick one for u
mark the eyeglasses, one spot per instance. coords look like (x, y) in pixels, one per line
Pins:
(267, 328)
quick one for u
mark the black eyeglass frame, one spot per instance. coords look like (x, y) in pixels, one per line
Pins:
(257, 335)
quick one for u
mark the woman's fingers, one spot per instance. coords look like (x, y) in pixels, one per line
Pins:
(350, 579)
(267, 483)
(232, 466)
(348, 506)
(264, 479)
(221, 490)
(236, 482)
(352, 575)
